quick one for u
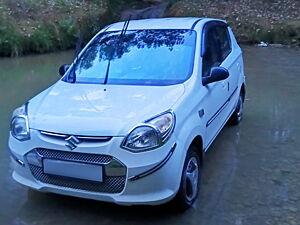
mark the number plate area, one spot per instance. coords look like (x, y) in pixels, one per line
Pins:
(70, 169)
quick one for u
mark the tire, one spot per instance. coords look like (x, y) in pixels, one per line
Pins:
(190, 181)
(237, 115)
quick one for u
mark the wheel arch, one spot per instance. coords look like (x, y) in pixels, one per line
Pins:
(198, 142)
(243, 91)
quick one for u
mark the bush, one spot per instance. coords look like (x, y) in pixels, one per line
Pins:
(11, 41)
(41, 26)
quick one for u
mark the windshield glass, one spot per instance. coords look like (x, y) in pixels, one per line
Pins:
(140, 57)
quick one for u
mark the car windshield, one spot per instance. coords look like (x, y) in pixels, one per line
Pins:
(138, 57)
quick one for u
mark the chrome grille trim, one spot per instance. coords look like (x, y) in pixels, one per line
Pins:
(112, 182)
(74, 156)
(54, 134)
(80, 137)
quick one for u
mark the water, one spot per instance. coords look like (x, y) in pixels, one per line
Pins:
(250, 174)
(21, 79)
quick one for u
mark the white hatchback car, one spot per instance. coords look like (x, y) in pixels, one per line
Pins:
(132, 117)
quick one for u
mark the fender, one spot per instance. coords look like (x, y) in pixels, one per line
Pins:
(186, 132)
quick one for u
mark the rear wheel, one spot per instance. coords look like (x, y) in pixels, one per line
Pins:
(237, 115)
(190, 180)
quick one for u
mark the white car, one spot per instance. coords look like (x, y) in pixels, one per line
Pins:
(132, 117)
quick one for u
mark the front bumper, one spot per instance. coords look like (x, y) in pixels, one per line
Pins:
(129, 178)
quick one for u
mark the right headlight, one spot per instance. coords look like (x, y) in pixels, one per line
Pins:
(151, 134)
(19, 126)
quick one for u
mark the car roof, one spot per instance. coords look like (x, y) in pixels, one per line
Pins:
(161, 23)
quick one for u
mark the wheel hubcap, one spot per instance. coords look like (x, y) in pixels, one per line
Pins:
(192, 174)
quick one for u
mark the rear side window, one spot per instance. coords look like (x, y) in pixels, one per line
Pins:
(223, 40)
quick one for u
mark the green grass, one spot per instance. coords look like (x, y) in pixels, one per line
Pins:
(287, 33)
(46, 37)
(11, 41)
(39, 26)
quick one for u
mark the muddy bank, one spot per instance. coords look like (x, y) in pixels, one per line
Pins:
(39, 26)
(271, 21)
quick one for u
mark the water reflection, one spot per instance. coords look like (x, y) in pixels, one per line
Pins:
(281, 131)
(116, 45)
(43, 208)
(115, 58)
(248, 175)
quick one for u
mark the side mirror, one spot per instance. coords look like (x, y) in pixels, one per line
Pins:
(63, 69)
(216, 74)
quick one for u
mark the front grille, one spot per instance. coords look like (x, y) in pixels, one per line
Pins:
(74, 156)
(110, 184)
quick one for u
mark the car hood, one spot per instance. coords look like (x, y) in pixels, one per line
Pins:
(98, 110)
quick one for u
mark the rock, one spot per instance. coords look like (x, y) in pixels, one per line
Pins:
(155, 11)
(263, 44)
(277, 45)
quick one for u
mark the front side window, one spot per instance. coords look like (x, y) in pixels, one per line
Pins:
(212, 56)
(140, 57)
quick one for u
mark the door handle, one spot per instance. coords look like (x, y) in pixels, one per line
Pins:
(224, 83)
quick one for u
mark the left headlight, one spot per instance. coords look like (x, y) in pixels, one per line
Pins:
(19, 126)
(151, 134)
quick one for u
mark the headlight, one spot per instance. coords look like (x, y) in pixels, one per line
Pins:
(151, 134)
(19, 124)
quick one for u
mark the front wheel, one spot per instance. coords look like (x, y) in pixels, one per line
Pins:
(190, 180)
(237, 115)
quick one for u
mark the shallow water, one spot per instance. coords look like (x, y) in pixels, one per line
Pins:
(251, 173)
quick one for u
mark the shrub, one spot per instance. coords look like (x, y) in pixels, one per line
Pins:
(11, 41)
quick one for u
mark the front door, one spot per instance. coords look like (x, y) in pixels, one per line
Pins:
(216, 94)
(230, 62)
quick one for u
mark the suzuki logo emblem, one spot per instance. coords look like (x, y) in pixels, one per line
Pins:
(72, 142)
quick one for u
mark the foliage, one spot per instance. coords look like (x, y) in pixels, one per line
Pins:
(11, 41)
(40, 26)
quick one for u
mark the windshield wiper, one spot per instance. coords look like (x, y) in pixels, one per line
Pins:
(107, 72)
(72, 76)
(125, 27)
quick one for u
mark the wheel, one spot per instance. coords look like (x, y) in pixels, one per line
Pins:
(190, 181)
(237, 115)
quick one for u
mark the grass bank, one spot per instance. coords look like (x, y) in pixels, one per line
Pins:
(38, 26)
